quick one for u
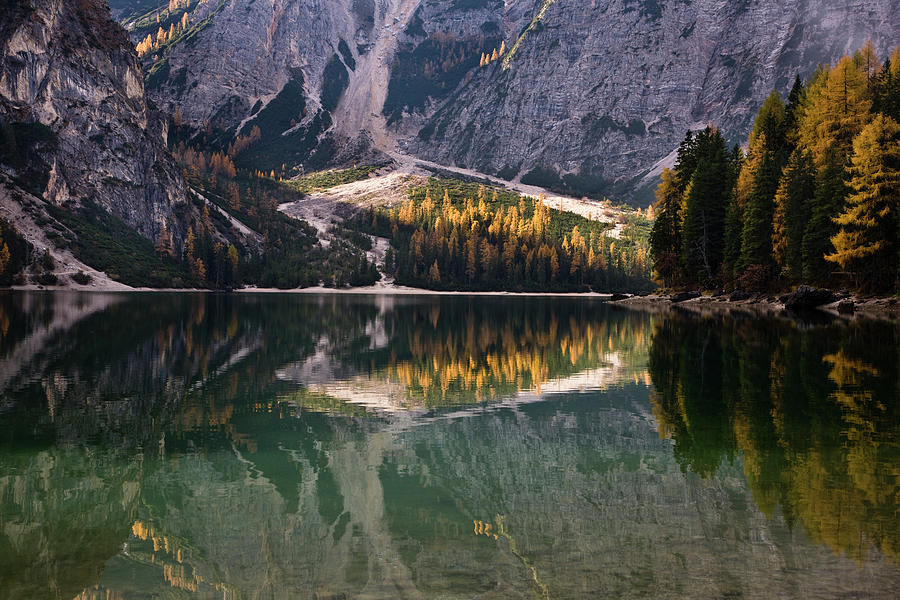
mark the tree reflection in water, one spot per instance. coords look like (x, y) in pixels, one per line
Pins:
(281, 446)
(812, 413)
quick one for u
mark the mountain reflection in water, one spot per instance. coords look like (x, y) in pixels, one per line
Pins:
(278, 446)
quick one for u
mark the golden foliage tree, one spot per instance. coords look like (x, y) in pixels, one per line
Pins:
(867, 239)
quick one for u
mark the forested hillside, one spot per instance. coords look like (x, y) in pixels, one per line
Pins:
(813, 199)
(476, 238)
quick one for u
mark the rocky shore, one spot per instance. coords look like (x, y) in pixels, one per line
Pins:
(804, 300)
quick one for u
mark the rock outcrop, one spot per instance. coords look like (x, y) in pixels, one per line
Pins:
(806, 298)
(76, 124)
(600, 93)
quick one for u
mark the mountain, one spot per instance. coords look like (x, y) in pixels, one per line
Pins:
(588, 97)
(76, 122)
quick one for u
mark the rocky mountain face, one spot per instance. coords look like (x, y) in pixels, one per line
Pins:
(589, 95)
(76, 124)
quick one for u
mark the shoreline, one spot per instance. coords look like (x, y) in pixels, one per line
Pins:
(372, 290)
(883, 307)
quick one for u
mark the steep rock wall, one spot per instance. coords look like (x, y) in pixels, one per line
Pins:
(597, 93)
(72, 102)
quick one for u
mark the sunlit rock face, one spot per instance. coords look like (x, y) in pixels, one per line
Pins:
(72, 88)
(600, 91)
(603, 90)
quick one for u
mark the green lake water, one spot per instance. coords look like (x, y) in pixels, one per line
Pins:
(294, 446)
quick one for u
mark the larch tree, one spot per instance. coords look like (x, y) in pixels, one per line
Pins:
(835, 110)
(866, 59)
(5, 256)
(866, 242)
(665, 236)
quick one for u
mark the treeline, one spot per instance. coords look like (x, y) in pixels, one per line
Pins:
(474, 239)
(814, 199)
(289, 254)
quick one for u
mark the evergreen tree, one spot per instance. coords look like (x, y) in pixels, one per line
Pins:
(828, 201)
(867, 239)
(792, 204)
(734, 216)
(793, 112)
(734, 226)
(705, 202)
(760, 173)
(685, 162)
(886, 92)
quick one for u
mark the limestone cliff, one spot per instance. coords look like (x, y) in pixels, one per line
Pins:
(590, 94)
(76, 125)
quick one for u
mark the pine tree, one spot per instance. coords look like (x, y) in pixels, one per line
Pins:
(756, 233)
(705, 202)
(686, 162)
(792, 205)
(734, 227)
(828, 201)
(758, 182)
(793, 112)
(869, 224)
(734, 215)
(886, 92)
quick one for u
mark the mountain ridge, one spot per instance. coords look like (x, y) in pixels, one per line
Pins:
(596, 97)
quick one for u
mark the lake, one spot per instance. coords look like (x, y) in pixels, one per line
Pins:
(337, 446)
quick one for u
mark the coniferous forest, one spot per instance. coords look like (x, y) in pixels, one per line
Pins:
(813, 199)
(478, 238)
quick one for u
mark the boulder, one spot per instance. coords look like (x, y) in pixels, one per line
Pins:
(846, 307)
(683, 296)
(807, 297)
(739, 295)
(617, 297)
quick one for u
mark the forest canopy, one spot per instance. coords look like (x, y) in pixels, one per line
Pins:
(813, 199)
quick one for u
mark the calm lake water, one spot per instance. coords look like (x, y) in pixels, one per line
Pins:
(288, 446)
